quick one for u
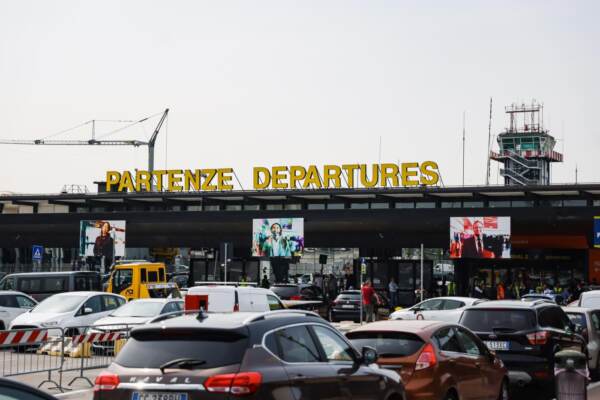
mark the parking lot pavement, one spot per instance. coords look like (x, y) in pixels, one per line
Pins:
(80, 389)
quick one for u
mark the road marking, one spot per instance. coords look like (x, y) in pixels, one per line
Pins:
(66, 394)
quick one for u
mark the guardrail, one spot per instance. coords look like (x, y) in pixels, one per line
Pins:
(61, 350)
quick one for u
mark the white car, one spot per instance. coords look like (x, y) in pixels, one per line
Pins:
(448, 309)
(69, 311)
(140, 311)
(13, 304)
(226, 299)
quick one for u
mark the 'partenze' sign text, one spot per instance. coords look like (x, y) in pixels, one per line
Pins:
(281, 177)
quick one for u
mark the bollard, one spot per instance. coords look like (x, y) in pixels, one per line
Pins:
(571, 375)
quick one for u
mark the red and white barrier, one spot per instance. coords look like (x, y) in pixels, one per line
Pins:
(95, 337)
(8, 338)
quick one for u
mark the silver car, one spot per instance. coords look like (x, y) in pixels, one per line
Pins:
(587, 323)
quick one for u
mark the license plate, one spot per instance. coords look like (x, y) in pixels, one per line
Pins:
(158, 396)
(347, 306)
(496, 345)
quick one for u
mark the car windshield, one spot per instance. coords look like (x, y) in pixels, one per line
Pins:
(482, 320)
(590, 301)
(59, 303)
(138, 309)
(387, 344)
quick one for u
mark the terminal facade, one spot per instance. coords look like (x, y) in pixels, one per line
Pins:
(552, 230)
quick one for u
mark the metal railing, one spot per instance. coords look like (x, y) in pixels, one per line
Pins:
(56, 351)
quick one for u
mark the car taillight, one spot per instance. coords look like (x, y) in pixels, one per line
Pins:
(540, 337)
(296, 297)
(426, 358)
(236, 307)
(106, 381)
(241, 384)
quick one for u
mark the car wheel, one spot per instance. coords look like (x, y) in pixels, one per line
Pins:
(503, 395)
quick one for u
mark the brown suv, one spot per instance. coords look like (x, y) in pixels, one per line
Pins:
(436, 360)
(286, 354)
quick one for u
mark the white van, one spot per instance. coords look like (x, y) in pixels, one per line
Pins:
(221, 298)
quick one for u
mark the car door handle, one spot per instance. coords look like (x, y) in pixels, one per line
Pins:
(478, 365)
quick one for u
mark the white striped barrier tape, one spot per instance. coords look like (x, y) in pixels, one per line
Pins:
(23, 337)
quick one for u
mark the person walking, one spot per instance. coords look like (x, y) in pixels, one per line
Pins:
(393, 292)
(368, 297)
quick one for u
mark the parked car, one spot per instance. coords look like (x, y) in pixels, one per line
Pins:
(273, 355)
(553, 297)
(436, 360)
(589, 299)
(222, 298)
(447, 309)
(13, 304)
(13, 390)
(179, 278)
(134, 313)
(41, 285)
(587, 323)
(69, 311)
(525, 335)
(346, 306)
(301, 291)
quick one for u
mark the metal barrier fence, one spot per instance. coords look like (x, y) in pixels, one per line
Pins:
(57, 350)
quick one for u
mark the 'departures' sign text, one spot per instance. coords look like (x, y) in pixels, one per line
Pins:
(279, 177)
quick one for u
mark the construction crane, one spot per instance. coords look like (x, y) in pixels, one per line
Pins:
(94, 142)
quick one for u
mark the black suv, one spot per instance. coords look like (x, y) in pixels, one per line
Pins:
(287, 354)
(525, 335)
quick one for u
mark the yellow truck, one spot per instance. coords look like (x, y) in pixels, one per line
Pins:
(139, 280)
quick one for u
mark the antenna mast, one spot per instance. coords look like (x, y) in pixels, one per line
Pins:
(487, 177)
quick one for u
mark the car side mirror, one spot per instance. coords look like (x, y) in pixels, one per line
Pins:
(416, 309)
(369, 355)
(87, 310)
(492, 355)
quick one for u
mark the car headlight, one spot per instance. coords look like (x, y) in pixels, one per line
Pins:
(49, 323)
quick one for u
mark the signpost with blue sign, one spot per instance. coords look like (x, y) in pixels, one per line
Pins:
(36, 252)
(597, 232)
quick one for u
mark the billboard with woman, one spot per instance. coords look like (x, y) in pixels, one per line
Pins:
(102, 238)
(277, 237)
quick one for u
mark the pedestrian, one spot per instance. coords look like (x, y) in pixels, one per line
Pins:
(265, 282)
(244, 280)
(500, 292)
(477, 291)
(393, 292)
(368, 297)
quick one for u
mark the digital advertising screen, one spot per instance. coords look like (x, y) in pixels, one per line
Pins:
(102, 238)
(480, 237)
(277, 237)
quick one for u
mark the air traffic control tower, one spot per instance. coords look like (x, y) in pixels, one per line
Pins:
(526, 148)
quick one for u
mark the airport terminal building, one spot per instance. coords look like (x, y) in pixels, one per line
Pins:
(551, 230)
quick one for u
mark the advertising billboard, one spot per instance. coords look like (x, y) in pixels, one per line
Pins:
(102, 238)
(277, 237)
(479, 237)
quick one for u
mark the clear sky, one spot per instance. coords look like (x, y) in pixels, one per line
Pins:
(262, 83)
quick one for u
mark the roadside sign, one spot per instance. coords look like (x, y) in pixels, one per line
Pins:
(597, 232)
(36, 252)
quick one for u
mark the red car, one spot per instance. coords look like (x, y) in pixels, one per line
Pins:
(436, 360)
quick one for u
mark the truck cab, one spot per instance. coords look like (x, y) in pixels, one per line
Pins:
(139, 280)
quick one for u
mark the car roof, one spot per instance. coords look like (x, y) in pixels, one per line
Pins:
(423, 328)
(3, 292)
(591, 293)
(233, 321)
(155, 300)
(577, 309)
(85, 293)
(57, 273)
(9, 383)
(465, 299)
(223, 288)
(515, 304)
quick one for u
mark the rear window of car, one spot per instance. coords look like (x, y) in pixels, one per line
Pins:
(151, 350)
(285, 291)
(482, 320)
(387, 344)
